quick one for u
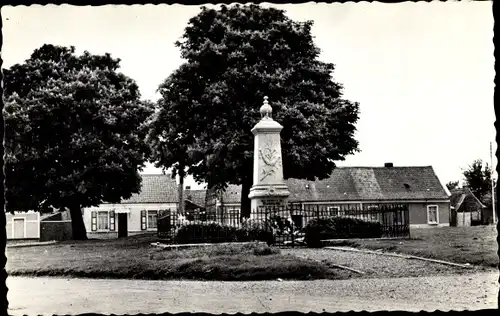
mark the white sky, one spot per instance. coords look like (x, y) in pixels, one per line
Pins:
(422, 72)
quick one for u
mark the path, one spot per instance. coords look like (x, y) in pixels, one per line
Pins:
(71, 296)
(378, 265)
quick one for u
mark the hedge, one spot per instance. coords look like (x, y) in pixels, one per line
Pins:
(217, 233)
(339, 228)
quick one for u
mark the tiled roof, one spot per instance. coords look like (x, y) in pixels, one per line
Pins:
(232, 194)
(457, 197)
(196, 196)
(156, 188)
(465, 199)
(363, 184)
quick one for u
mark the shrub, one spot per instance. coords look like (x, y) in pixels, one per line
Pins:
(339, 227)
(217, 233)
(258, 230)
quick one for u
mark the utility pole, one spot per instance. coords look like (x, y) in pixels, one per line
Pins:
(492, 186)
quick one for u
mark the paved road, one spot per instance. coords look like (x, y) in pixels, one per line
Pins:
(70, 296)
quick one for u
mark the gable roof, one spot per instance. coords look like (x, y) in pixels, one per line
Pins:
(459, 196)
(197, 197)
(155, 188)
(363, 184)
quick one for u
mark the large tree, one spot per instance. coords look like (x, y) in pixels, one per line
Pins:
(478, 178)
(170, 134)
(235, 56)
(74, 133)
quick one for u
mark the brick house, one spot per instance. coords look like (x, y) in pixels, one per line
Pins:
(419, 187)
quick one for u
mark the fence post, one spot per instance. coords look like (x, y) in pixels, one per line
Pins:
(292, 226)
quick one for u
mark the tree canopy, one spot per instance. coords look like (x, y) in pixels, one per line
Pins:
(452, 185)
(478, 178)
(74, 133)
(235, 56)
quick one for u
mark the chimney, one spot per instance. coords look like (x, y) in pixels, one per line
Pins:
(388, 165)
(188, 192)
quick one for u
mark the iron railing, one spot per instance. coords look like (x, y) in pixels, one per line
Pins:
(286, 223)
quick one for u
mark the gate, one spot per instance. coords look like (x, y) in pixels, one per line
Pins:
(165, 226)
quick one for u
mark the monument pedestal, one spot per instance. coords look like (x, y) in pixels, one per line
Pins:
(269, 187)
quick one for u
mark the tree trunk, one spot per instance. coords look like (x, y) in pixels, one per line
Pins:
(245, 200)
(181, 191)
(77, 225)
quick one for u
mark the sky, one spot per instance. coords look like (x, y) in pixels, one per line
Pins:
(423, 73)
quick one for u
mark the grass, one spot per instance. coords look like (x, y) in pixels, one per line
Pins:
(134, 258)
(475, 245)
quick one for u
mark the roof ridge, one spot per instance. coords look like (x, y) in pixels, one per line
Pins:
(474, 196)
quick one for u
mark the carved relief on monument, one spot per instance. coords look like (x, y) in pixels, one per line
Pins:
(271, 156)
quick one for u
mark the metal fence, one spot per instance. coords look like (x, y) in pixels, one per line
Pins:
(287, 224)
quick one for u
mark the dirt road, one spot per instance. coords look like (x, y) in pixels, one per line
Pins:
(71, 296)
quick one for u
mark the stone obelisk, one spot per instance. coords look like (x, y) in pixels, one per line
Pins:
(269, 187)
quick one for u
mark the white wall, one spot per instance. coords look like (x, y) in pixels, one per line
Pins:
(31, 228)
(464, 219)
(134, 215)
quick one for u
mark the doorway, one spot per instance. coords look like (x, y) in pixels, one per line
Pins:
(19, 228)
(122, 225)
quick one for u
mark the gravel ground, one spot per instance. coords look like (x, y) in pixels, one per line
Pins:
(48, 296)
(379, 266)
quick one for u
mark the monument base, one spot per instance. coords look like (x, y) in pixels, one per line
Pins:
(267, 195)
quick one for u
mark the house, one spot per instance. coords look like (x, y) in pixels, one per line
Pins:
(230, 199)
(419, 187)
(23, 225)
(41, 227)
(466, 208)
(136, 215)
(194, 204)
(194, 199)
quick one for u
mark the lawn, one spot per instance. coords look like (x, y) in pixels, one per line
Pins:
(134, 258)
(475, 245)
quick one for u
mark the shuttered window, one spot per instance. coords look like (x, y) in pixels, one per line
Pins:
(112, 220)
(94, 221)
(143, 220)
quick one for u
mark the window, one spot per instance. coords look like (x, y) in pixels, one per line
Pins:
(432, 214)
(152, 219)
(335, 211)
(102, 221)
(211, 216)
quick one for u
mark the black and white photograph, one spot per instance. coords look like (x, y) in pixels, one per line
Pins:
(250, 158)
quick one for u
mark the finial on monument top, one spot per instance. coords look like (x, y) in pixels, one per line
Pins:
(265, 109)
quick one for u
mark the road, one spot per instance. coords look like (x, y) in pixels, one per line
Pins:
(73, 296)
